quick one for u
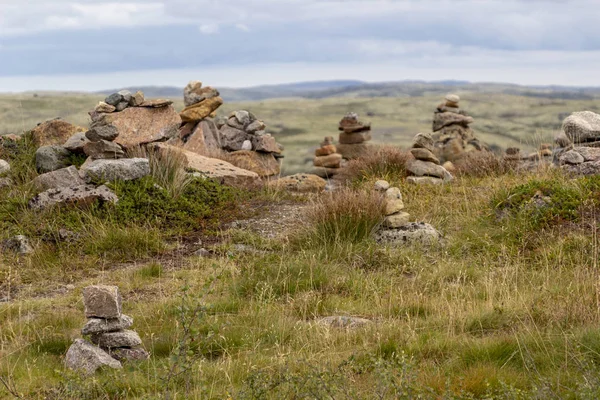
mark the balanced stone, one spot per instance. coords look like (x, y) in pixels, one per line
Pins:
(354, 138)
(394, 202)
(110, 340)
(424, 155)
(325, 150)
(396, 220)
(423, 141)
(102, 301)
(103, 107)
(102, 132)
(330, 161)
(422, 168)
(102, 325)
(137, 99)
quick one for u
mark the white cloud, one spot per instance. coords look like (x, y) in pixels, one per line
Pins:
(209, 29)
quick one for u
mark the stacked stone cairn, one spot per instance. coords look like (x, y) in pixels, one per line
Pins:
(395, 217)
(353, 137)
(111, 341)
(452, 133)
(327, 160)
(578, 145)
(241, 135)
(426, 168)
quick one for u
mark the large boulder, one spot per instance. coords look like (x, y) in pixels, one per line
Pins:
(213, 168)
(199, 111)
(86, 358)
(61, 178)
(125, 169)
(51, 158)
(582, 126)
(54, 132)
(264, 164)
(84, 195)
(141, 125)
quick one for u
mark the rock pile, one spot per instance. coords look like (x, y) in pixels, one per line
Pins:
(426, 168)
(583, 128)
(108, 331)
(354, 135)
(242, 136)
(578, 145)
(452, 134)
(394, 206)
(327, 160)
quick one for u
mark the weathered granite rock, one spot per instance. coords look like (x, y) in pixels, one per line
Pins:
(76, 142)
(121, 106)
(103, 107)
(232, 139)
(255, 126)
(412, 233)
(102, 301)
(102, 132)
(103, 149)
(588, 153)
(301, 183)
(423, 141)
(141, 125)
(125, 354)
(423, 168)
(571, 157)
(125, 169)
(80, 196)
(340, 321)
(199, 111)
(102, 325)
(87, 358)
(264, 164)
(265, 143)
(137, 99)
(325, 150)
(582, 126)
(110, 340)
(156, 103)
(54, 132)
(585, 169)
(562, 140)
(51, 158)
(60, 178)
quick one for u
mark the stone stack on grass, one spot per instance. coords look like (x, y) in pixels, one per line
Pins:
(426, 168)
(395, 217)
(327, 161)
(452, 133)
(111, 340)
(353, 137)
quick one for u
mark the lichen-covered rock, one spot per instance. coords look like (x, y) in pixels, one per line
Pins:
(571, 157)
(87, 358)
(18, 244)
(102, 132)
(413, 233)
(110, 340)
(54, 132)
(125, 169)
(80, 196)
(51, 158)
(102, 301)
(101, 325)
(61, 178)
(232, 139)
(265, 143)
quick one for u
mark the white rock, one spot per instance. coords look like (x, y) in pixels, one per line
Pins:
(4, 166)
(247, 145)
(382, 185)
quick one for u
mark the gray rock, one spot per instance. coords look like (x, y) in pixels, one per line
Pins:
(423, 141)
(5, 182)
(425, 180)
(102, 301)
(61, 178)
(582, 126)
(424, 155)
(247, 145)
(125, 95)
(412, 233)
(232, 139)
(110, 340)
(125, 169)
(571, 157)
(585, 169)
(243, 117)
(382, 186)
(84, 195)
(234, 123)
(424, 168)
(102, 325)
(255, 126)
(18, 244)
(103, 149)
(394, 203)
(562, 140)
(102, 132)
(341, 321)
(87, 358)
(137, 99)
(121, 106)
(51, 158)
(588, 153)
(265, 144)
(4, 166)
(124, 354)
(76, 142)
(114, 99)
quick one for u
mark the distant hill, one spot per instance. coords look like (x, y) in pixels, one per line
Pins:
(359, 89)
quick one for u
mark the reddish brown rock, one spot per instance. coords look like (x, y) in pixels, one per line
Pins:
(325, 150)
(264, 164)
(53, 132)
(354, 138)
(330, 161)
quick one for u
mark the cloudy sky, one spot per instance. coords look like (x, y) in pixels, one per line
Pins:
(94, 45)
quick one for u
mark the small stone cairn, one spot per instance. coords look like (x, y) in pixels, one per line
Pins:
(426, 168)
(395, 217)
(111, 341)
(578, 145)
(452, 133)
(327, 160)
(354, 135)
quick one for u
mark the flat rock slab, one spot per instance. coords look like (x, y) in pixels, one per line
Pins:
(61, 178)
(125, 169)
(80, 196)
(413, 233)
(86, 358)
(102, 325)
(102, 301)
(441, 120)
(109, 340)
(424, 168)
